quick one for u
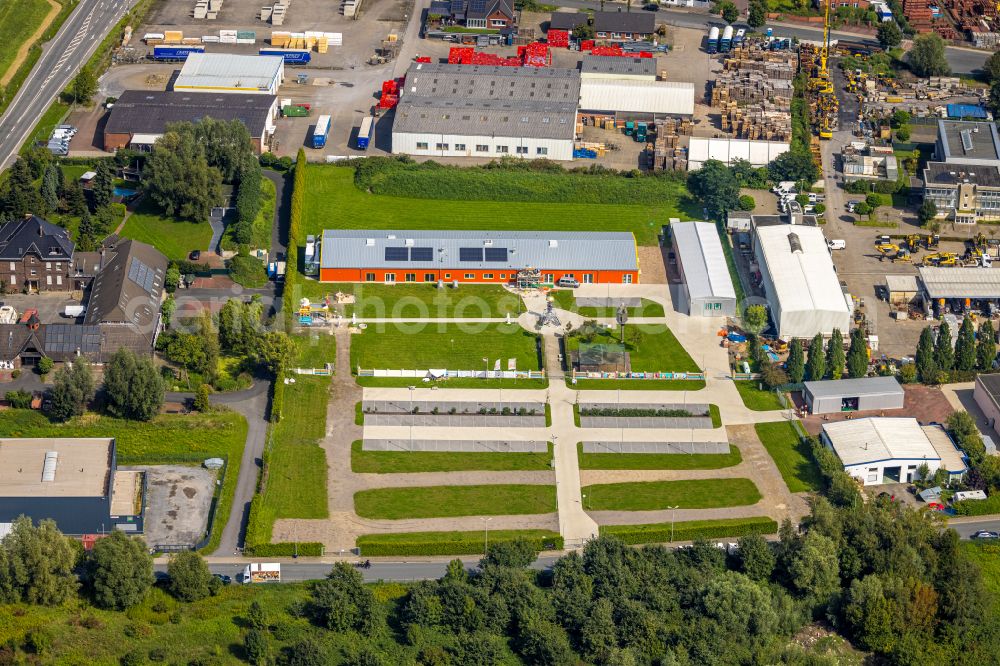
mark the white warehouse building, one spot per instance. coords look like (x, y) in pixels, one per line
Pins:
(800, 282)
(757, 153)
(450, 110)
(878, 450)
(706, 283)
(229, 73)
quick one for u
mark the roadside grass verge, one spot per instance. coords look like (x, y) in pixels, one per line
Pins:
(453, 346)
(690, 530)
(658, 460)
(331, 194)
(658, 495)
(566, 299)
(396, 462)
(450, 543)
(174, 237)
(791, 455)
(169, 439)
(756, 399)
(416, 300)
(452, 501)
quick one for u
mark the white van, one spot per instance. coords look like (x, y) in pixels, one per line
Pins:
(837, 244)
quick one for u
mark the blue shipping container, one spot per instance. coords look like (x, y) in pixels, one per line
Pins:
(291, 56)
(175, 52)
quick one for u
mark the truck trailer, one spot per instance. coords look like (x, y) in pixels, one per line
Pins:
(726, 43)
(262, 572)
(713, 39)
(321, 131)
(291, 56)
(175, 53)
(366, 132)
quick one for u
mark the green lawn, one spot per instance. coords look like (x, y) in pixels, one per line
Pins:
(167, 439)
(451, 501)
(394, 462)
(453, 383)
(262, 224)
(295, 483)
(19, 19)
(449, 543)
(658, 460)
(424, 346)
(756, 399)
(658, 351)
(315, 349)
(174, 237)
(791, 455)
(415, 300)
(689, 530)
(655, 495)
(566, 300)
(333, 201)
(637, 384)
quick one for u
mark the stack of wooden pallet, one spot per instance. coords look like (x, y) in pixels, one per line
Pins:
(757, 122)
(667, 154)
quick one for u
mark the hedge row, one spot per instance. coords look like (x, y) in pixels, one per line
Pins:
(294, 240)
(277, 397)
(513, 180)
(690, 530)
(454, 543)
(287, 549)
(984, 507)
(637, 412)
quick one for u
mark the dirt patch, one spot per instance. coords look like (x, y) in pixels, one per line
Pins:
(22, 53)
(177, 503)
(652, 264)
(927, 404)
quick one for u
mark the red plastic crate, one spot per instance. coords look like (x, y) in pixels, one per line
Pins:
(422, 59)
(607, 51)
(645, 54)
(587, 45)
(461, 55)
(557, 38)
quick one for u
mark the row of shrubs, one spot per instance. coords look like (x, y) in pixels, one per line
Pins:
(690, 530)
(464, 543)
(512, 180)
(638, 412)
(286, 549)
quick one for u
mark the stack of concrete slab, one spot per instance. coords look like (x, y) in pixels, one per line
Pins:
(207, 9)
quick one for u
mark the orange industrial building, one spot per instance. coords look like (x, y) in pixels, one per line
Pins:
(527, 258)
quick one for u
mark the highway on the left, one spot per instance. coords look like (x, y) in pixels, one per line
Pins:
(62, 57)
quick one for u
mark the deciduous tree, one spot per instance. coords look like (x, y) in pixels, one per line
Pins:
(190, 579)
(36, 564)
(119, 571)
(889, 35)
(73, 389)
(927, 212)
(757, 13)
(715, 185)
(755, 557)
(926, 57)
(133, 387)
(179, 179)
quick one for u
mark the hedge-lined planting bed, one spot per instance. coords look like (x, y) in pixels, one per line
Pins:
(450, 543)
(690, 530)
(286, 549)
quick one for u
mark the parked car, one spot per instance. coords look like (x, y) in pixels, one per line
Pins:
(195, 255)
(986, 534)
(572, 283)
(226, 580)
(837, 244)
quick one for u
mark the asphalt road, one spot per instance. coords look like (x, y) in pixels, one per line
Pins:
(61, 58)
(962, 60)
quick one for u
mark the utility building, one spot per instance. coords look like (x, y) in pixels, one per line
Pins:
(499, 257)
(891, 450)
(448, 110)
(74, 482)
(802, 288)
(228, 73)
(708, 287)
(987, 396)
(853, 395)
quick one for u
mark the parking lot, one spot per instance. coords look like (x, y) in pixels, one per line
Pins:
(50, 305)
(178, 500)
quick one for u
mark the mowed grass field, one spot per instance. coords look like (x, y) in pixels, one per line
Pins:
(452, 346)
(333, 201)
(175, 238)
(396, 462)
(451, 501)
(415, 300)
(659, 350)
(791, 455)
(566, 300)
(658, 460)
(658, 495)
(756, 399)
(19, 19)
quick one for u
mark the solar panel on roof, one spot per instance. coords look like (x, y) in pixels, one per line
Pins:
(397, 253)
(496, 254)
(421, 254)
(966, 139)
(141, 274)
(470, 254)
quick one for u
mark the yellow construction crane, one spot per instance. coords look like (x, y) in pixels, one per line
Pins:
(822, 83)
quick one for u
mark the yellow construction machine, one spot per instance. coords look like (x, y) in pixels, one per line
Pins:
(913, 242)
(821, 84)
(941, 259)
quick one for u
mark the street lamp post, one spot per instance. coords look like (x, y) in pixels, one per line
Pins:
(672, 510)
(486, 368)
(486, 536)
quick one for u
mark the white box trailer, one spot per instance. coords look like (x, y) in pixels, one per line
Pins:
(262, 572)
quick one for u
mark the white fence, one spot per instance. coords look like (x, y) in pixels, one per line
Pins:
(459, 374)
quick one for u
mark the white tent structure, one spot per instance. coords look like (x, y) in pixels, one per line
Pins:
(670, 98)
(757, 153)
(800, 283)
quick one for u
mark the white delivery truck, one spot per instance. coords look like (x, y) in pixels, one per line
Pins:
(262, 572)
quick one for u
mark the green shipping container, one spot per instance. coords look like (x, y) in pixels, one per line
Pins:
(295, 111)
(246, 34)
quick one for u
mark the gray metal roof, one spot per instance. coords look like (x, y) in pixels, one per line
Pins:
(443, 80)
(699, 251)
(229, 71)
(960, 282)
(980, 140)
(636, 22)
(555, 250)
(592, 64)
(149, 111)
(954, 174)
(538, 120)
(861, 386)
